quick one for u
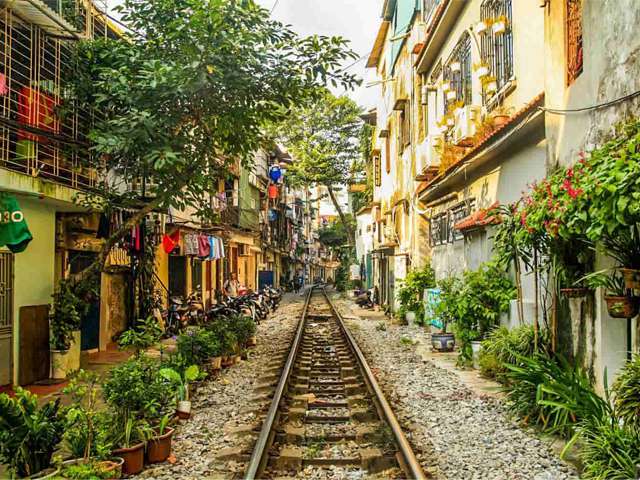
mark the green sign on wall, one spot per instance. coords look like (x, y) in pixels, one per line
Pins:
(14, 232)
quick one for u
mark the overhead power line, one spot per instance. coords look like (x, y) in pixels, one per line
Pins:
(558, 111)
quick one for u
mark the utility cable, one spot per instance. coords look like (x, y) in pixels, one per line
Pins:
(558, 111)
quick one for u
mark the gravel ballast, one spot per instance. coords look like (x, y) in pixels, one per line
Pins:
(224, 402)
(456, 433)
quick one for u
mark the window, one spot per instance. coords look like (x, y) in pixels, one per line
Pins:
(387, 153)
(377, 168)
(420, 107)
(405, 127)
(574, 40)
(497, 48)
(439, 229)
(428, 9)
(458, 213)
(457, 72)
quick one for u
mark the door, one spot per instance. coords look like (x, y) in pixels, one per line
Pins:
(177, 276)
(6, 318)
(79, 261)
(34, 344)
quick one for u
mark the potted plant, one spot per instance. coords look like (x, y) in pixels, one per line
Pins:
(243, 327)
(159, 445)
(130, 434)
(181, 383)
(444, 314)
(228, 342)
(501, 115)
(624, 247)
(411, 293)
(619, 303)
(87, 432)
(144, 335)
(64, 322)
(29, 434)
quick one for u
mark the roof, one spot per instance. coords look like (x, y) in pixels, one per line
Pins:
(489, 139)
(378, 45)
(478, 219)
(39, 14)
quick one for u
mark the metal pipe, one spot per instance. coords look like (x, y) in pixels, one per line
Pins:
(410, 461)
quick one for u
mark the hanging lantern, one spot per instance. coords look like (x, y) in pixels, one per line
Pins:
(273, 191)
(275, 173)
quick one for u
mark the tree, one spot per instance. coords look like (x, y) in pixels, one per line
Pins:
(324, 138)
(188, 96)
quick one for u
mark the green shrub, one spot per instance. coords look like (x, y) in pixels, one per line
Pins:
(609, 451)
(198, 345)
(243, 328)
(627, 393)
(28, 434)
(502, 345)
(410, 293)
(222, 331)
(144, 335)
(552, 394)
(482, 297)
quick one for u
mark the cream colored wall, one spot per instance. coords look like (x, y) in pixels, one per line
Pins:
(33, 268)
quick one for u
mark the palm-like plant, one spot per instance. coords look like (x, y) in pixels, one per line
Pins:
(28, 434)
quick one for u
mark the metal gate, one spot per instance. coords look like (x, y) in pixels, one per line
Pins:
(6, 317)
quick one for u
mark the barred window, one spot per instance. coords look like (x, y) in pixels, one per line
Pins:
(429, 8)
(574, 40)
(457, 71)
(458, 213)
(377, 167)
(439, 229)
(496, 48)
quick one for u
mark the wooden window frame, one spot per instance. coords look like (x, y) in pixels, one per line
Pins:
(573, 40)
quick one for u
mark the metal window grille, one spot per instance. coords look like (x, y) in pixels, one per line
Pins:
(497, 49)
(377, 168)
(439, 229)
(42, 132)
(458, 213)
(429, 8)
(574, 40)
(460, 80)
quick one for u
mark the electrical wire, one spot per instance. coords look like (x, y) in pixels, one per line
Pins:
(275, 4)
(558, 111)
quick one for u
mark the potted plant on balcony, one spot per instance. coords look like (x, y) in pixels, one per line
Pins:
(501, 115)
(29, 434)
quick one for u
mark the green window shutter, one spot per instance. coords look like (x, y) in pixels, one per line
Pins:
(402, 20)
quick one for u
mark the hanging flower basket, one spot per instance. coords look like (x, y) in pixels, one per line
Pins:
(631, 278)
(575, 292)
(622, 307)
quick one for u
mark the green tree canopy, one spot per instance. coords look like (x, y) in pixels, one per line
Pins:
(189, 94)
(324, 138)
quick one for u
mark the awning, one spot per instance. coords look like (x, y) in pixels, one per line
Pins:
(479, 219)
(39, 14)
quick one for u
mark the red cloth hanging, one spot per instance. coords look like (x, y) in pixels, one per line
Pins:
(37, 110)
(169, 242)
(4, 88)
(273, 191)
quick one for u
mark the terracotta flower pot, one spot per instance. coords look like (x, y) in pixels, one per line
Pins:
(133, 458)
(159, 448)
(631, 278)
(575, 292)
(500, 120)
(216, 363)
(226, 361)
(622, 307)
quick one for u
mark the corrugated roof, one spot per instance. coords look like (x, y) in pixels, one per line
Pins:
(39, 14)
(478, 219)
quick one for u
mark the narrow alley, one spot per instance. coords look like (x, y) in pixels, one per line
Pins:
(321, 239)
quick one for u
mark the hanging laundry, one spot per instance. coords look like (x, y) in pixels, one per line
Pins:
(204, 247)
(191, 244)
(37, 110)
(212, 246)
(170, 242)
(4, 87)
(221, 243)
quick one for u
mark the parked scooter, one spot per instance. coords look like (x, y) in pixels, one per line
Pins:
(363, 299)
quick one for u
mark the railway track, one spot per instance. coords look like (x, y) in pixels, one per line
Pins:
(327, 411)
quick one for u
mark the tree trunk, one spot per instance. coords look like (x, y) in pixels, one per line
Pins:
(343, 218)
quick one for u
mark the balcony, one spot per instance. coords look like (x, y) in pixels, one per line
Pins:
(231, 216)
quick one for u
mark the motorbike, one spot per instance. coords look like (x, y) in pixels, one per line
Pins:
(364, 299)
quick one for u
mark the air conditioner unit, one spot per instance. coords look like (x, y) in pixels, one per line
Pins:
(466, 120)
(434, 145)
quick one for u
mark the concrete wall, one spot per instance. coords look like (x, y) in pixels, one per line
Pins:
(611, 46)
(33, 268)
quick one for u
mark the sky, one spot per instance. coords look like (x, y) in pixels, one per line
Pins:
(355, 20)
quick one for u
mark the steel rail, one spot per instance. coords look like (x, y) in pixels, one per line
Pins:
(259, 456)
(411, 465)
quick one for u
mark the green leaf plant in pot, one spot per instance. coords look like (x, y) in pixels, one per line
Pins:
(159, 446)
(445, 313)
(131, 434)
(87, 432)
(181, 383)
(620, 303)
(144, 335)
(624, 247)
(29, 434)
(64, 320)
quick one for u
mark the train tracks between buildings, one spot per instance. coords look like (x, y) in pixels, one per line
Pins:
(327, 411)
